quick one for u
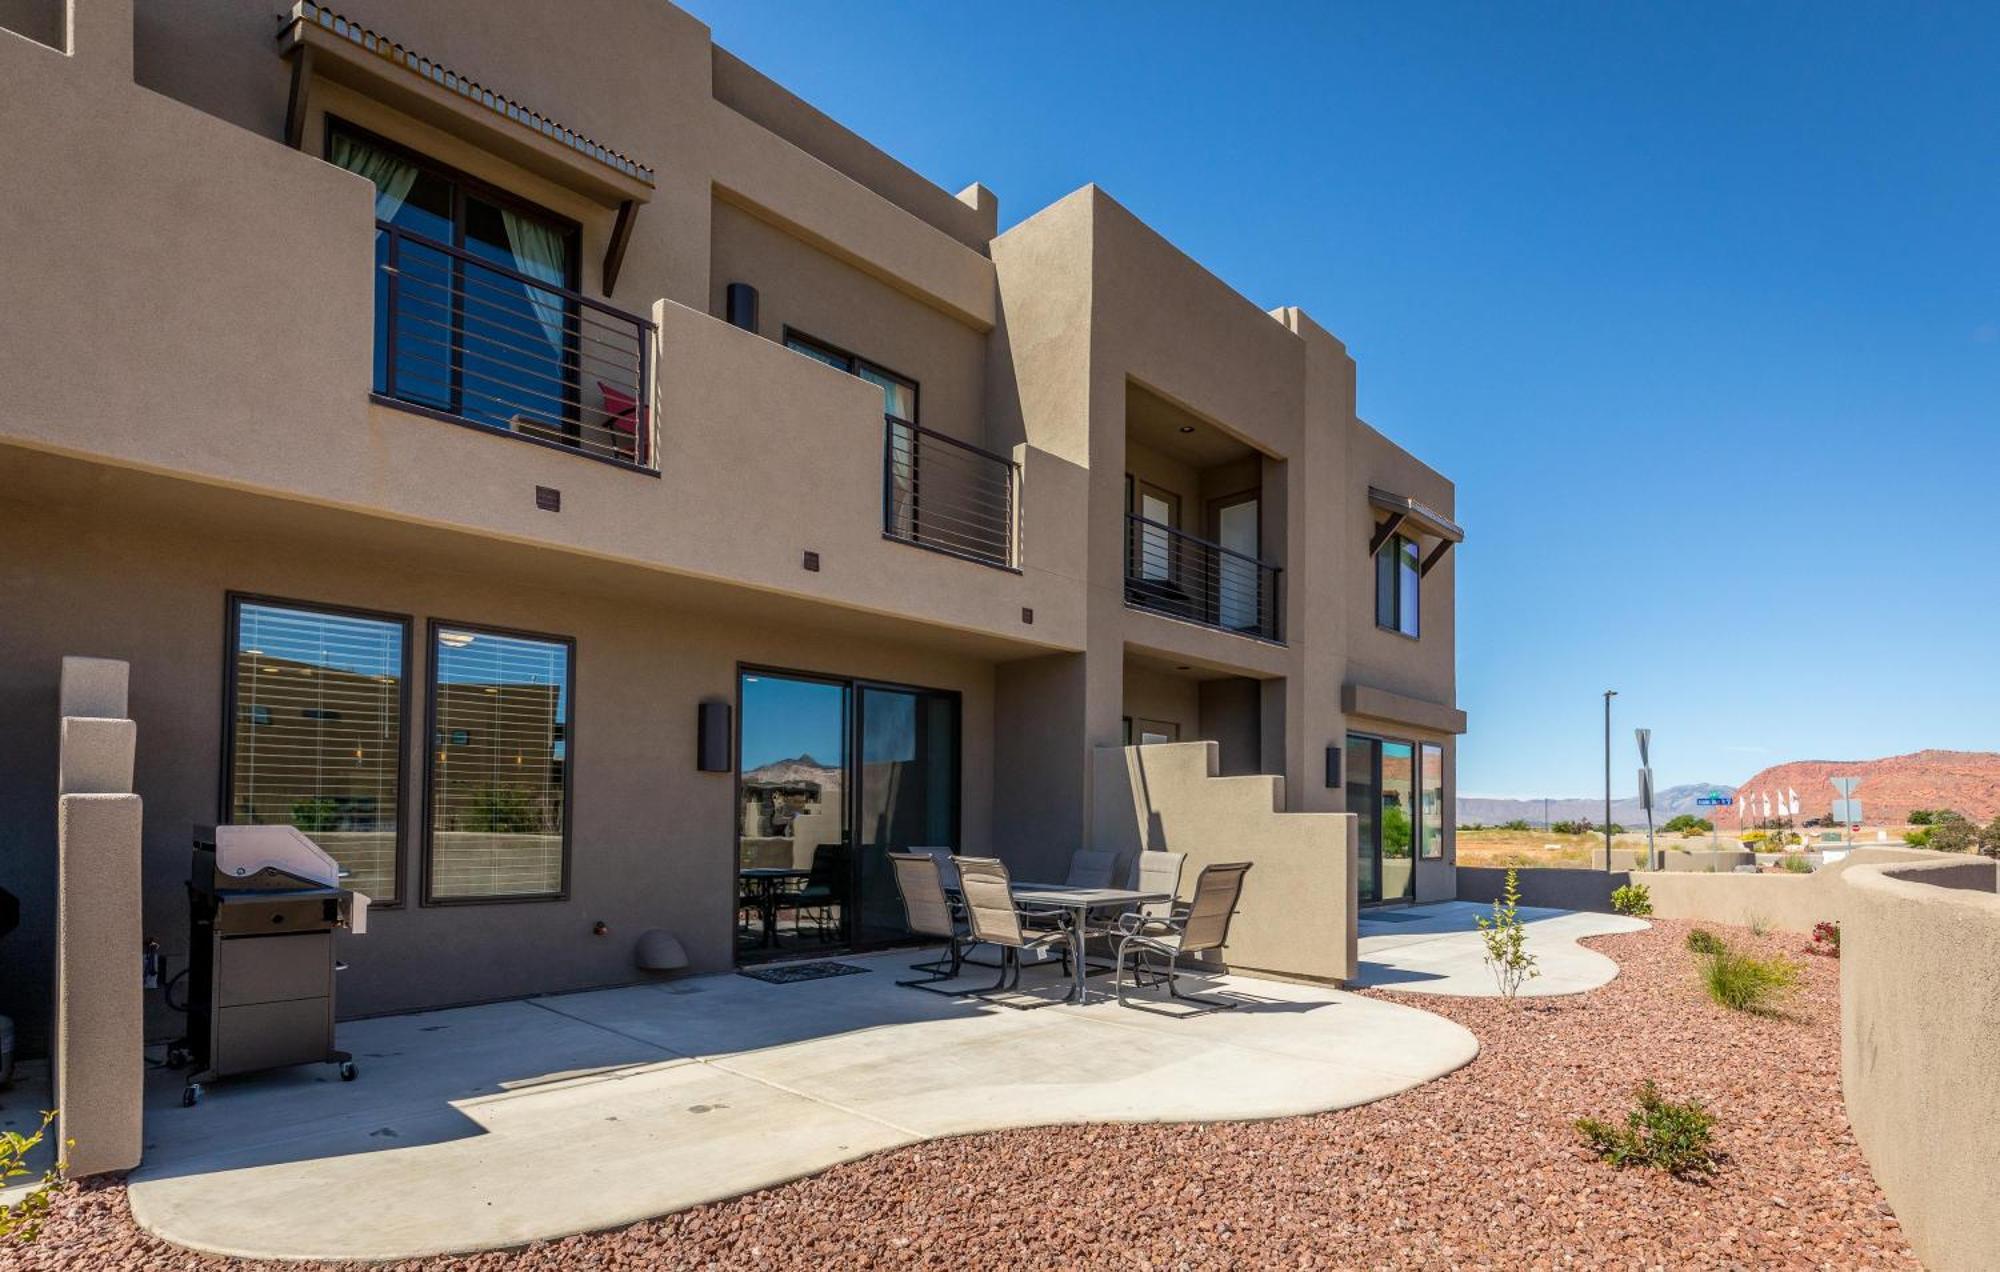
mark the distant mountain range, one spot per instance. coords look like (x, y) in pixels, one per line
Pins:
(1626, 811)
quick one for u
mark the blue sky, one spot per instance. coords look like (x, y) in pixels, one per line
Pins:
(1699, 305)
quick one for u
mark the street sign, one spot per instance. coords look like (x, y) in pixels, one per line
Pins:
(1847, 812)
(1715, 801)
(1846, 786)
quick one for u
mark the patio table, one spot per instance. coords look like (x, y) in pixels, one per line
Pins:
(1078, 903)
(763, 882)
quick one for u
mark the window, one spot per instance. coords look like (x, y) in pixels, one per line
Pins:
(314, 734)
(471, 333)
(1430, 841)
(499, 765)
(899, 393)
(1398, 585)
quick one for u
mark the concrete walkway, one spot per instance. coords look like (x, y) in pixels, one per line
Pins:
(491, 1126)
(1436, 949)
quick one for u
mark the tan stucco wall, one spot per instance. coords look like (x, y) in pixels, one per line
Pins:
(1919, 1045)
(1787, 902)
(1296, 917)
(137, 569)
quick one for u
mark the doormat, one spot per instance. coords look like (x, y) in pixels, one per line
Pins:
(792, 973)
(1390, 916)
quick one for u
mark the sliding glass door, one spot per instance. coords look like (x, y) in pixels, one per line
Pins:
(832, 776)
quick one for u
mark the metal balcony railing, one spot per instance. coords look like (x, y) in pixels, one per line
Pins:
(1171, 572)
(461, 336)
(947, 495)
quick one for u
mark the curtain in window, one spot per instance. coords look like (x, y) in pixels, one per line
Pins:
(540, 252)
(393, 177)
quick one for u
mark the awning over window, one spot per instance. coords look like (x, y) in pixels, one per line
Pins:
(322, 43)
(1408, 516)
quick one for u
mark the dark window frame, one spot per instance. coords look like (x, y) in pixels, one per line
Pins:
(851, 734)
(1392, 551)
(1423, 769)
(855, 363)
(225, 787)
(426, 898)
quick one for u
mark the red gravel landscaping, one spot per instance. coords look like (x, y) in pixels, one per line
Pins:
(1478, 1169)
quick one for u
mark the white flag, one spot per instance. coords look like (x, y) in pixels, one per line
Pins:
(1767, 805)
(1795, 803)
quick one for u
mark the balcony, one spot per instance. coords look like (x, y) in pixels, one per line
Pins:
(1171, 572)
(948, 496)
(469, 340)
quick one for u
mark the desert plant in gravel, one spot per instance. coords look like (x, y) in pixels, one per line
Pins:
(1758, 925)
(1703, 941)
(1633, 898)
(1826, 938)
(1677, 1138)
(22, 1221)
(1795, 863)
(1744, 982)
(1507, 940)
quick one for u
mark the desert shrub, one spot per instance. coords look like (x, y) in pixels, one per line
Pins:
(1758, 925)
(1951, 833)
(1989, 838)
(315, 815)
(1744, 982)
(1826, 938)
(22, 1220)
(1507, 941)
(1687, 824)
(1633, 899)
(1920, 817)
(1580, 827)
(1796, 863)
(1703, 941)
(1677, 1138)
(1519, 823)
(504, 810)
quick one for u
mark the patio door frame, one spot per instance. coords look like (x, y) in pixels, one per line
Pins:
(850, 776)
(1374, 849)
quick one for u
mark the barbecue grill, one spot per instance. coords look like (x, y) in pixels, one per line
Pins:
(263, 904)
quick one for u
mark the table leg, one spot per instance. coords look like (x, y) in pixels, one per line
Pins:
(1077, 992)
(770, 909)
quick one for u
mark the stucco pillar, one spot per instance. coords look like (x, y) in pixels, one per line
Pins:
(98, 1051)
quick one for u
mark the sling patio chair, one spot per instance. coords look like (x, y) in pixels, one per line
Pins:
(929, 913)
(1203, 926)
(1152, 871)
(995, 920)
(1088, 868)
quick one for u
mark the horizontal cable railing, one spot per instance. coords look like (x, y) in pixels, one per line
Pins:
(1171, 572)
(941, 493)
(467, 337)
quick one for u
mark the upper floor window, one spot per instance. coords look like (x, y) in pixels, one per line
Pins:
(899, 393)
(476, 311)
(315, 732)
(1399, 585)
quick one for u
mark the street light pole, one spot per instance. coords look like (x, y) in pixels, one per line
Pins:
(1609, 694)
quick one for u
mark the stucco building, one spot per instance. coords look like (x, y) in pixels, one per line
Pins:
(437, 405)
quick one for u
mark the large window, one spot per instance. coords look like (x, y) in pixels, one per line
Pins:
(314, 737)
(899, 393)
(485, 344)
(1399, 585)
(499, 765)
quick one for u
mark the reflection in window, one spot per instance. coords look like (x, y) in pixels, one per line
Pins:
(1431, 841)
(499, 770)
(316, 733)
(1398, 820)
(899, 395)
(792, 835)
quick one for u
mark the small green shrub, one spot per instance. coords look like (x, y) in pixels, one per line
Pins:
(1703, 941)
(1661, 1134)
(1744, 982)
(22, 1221)
(1952, 834)
(1758, 925)
(1796, 863)
(1633, 898)
(1507, 941)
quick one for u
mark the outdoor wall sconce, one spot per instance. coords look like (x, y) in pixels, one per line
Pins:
(740, 306)
(1333, 768)
(712, 737)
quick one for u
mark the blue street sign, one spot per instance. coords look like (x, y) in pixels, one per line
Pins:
(1715, 801)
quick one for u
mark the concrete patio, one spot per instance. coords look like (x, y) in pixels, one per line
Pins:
(492, 1126)
(1436, 949)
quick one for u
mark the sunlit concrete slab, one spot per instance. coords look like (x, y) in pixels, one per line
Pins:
(1437, 949)
(489, 1127)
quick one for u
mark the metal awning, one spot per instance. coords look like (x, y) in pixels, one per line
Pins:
(1405, 512)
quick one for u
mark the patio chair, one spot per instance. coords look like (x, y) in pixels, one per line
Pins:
(1152, 872)
(1203, 926)
(995, 920)
(925, 909)
(1088, 868)
(824, 893)
(947, 864)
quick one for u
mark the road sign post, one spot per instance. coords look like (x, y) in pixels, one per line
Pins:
(1714, 799)
(1847, 808)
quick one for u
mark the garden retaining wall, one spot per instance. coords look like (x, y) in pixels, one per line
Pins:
(1565, 889)
(1920, 1043)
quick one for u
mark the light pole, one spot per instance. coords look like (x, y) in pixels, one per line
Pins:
(1609, 694)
